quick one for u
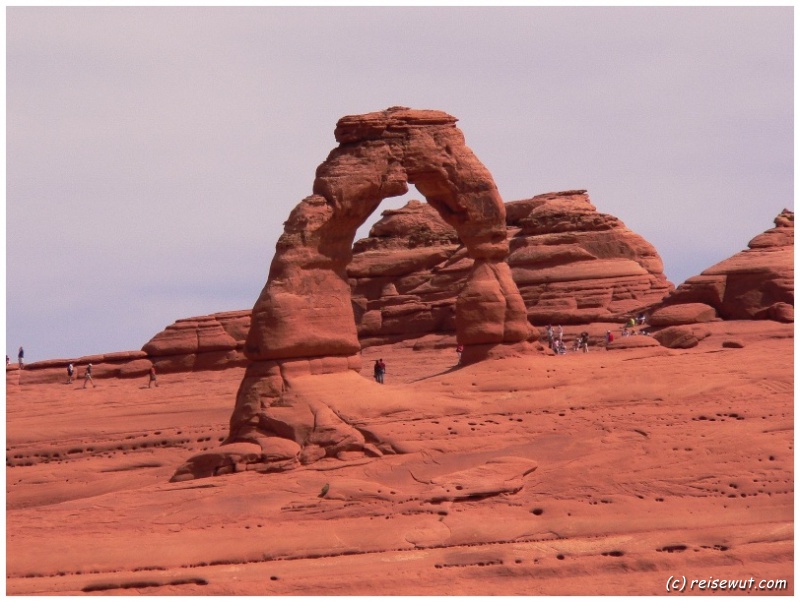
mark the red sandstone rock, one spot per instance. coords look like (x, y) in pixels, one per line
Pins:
(429, 268)
(304, 318)
(305, 308)
(681, 337)
(638, 452)
(632, 342)
(686, 313)
(193, 335)
(571, 264)
(574, 265)
(122, 364)
(757, 283)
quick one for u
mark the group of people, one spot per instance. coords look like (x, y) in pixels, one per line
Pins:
(555, 340)
(87, 375)
(630, 326)
(555, 337)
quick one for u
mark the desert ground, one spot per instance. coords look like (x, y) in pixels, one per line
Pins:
(608, 472)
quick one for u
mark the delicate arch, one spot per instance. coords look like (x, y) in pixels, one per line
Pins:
(305, 310)
(303, 322)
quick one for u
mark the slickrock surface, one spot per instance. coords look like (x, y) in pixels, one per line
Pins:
(757, 283)
(605, 472)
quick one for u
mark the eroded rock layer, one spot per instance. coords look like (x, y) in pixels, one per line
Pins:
(757, 283)
(571, 264)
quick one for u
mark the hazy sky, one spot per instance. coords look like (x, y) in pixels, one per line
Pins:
(153, 154)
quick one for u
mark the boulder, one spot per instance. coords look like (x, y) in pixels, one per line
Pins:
(780, 312)
(681, 337)
(687, 313)
(632, 342)
(225, 459)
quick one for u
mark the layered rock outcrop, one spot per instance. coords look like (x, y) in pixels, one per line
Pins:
(201, 343)
(757, 283)
(303, 322)
(571, 264)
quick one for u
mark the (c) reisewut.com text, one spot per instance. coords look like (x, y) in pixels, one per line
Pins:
(682, 584)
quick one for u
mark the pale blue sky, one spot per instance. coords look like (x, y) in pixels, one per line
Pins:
(153, 154)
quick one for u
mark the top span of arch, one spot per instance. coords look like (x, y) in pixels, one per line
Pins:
(391, 122)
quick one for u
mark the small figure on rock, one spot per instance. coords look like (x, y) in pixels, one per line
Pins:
(380, 370)
(87, 376)
(21, 357)
(550, 336)
(459, 351)
(609, 338)
(70, 370)
(560, 333)
(152, 377)
(585, 342)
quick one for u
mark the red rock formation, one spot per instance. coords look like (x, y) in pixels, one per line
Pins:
(200, 343)
(119, 364)
(682, 337)
(303, 322)
(305, 308)
(757, 283)
(574, 265)
(571, 264)
(686, 313)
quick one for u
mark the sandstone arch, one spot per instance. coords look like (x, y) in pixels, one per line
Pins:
(303, 322)
(305, 309)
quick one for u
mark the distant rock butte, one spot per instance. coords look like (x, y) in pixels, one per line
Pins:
(757, 283)
(201, 343)
(571, 264)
